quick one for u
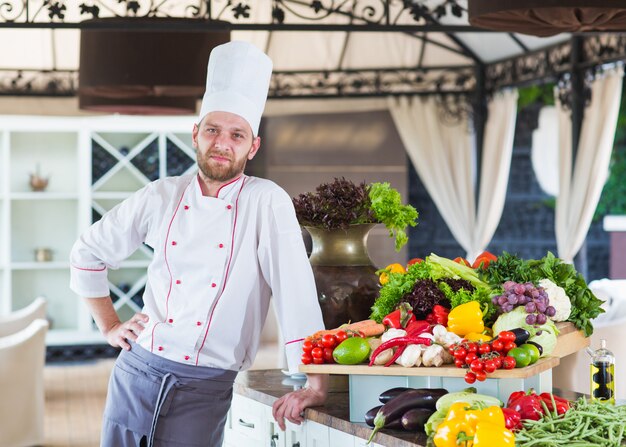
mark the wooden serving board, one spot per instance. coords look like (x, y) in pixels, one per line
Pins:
(542, 365)
(570, 340)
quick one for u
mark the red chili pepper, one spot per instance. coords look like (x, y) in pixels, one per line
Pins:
(396, 354)
(562, 405)
(418, 327)
(399, 341)
(512, 419)
(438, 315)
(399, 318)
(528, 404)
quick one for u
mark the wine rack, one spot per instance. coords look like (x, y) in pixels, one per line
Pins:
(93, 163)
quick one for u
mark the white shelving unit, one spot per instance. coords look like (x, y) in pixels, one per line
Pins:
(93, 163)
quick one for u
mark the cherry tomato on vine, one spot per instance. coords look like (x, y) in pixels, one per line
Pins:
(506, 336)
(497, 345)
(460, 353)
(341, 336)
(484, 348)
(490, 366)
(509, 345)
(498, 362)
(470, 377)
(481, 376)
(306, 359)
(508, 362)
(318, 361)
(317, 353)
(328, 355)
(460, 363)
(307, 346)
(469, 358)
(329, 340)
(472, 347)
(477, 365)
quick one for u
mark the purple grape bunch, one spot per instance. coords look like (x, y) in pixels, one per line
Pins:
(534, 299)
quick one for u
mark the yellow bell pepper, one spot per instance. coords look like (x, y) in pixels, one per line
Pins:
(467, 426)
(466, 318)
(391, 268)
(490, 435)
(475, 336)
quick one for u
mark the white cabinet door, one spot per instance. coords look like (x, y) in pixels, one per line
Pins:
(317, 435)
(358, 442)
(247, 417)
(295, 435)
(340, 439)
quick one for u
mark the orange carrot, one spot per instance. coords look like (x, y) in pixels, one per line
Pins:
(372, 330)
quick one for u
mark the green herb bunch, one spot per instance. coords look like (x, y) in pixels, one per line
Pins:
(342, 203)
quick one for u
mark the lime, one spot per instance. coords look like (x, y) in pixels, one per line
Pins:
(533, 351)
(352, 351)
(521, 356)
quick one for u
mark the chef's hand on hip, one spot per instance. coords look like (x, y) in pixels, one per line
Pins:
(119, 333)
(292, 405)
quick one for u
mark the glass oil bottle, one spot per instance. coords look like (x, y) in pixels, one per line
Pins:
(603, 375)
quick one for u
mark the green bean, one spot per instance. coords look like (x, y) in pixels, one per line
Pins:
(572, 428)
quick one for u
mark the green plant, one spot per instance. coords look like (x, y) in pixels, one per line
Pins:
(341, 203)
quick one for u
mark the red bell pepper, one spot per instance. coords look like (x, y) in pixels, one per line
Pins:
(418, 327)
(528, 404)
(562, 405)
(400, 318)
(512, 419)
(439, 315)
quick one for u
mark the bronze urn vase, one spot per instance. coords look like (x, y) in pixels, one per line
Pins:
(345, 277)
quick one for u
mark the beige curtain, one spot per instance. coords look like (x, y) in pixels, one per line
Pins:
(579, 191)
(442, 155)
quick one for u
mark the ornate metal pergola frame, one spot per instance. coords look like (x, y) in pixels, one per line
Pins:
(414, 18)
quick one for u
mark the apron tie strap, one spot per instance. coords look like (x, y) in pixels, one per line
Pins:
(168, 382)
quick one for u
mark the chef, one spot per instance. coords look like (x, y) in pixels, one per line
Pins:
(223, 243)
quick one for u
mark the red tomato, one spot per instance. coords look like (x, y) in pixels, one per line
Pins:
(508, 362)
(509, 345)
(469, 358)
(477, 365)
(414, 261)
(329, 341)
(317, 353)
(506, 336)
(306, 359)
(307, 346)
(472, 347)
(463, 261)
(341, 336)
(460, 363)
(481, 376)
(498, 362)
(460, 353)
(497, 345)
(328, 355)
(318, 361)
(470, 377)
(484, 348)
(490, 366)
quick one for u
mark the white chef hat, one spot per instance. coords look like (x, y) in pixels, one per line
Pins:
(237, 81)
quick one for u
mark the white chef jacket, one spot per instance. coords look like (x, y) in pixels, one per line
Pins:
(216, 262)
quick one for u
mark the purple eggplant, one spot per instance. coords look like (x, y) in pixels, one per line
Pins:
(415, 418)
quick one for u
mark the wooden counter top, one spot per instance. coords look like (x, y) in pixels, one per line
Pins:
(266, 386)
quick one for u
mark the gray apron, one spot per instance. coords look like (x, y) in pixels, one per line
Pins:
(152, 401)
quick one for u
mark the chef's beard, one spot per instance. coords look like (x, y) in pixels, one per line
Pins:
(220, 172)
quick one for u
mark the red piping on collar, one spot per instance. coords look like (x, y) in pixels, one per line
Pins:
(217, 195)
(169, 291)
(294, 341)
(230, 258)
